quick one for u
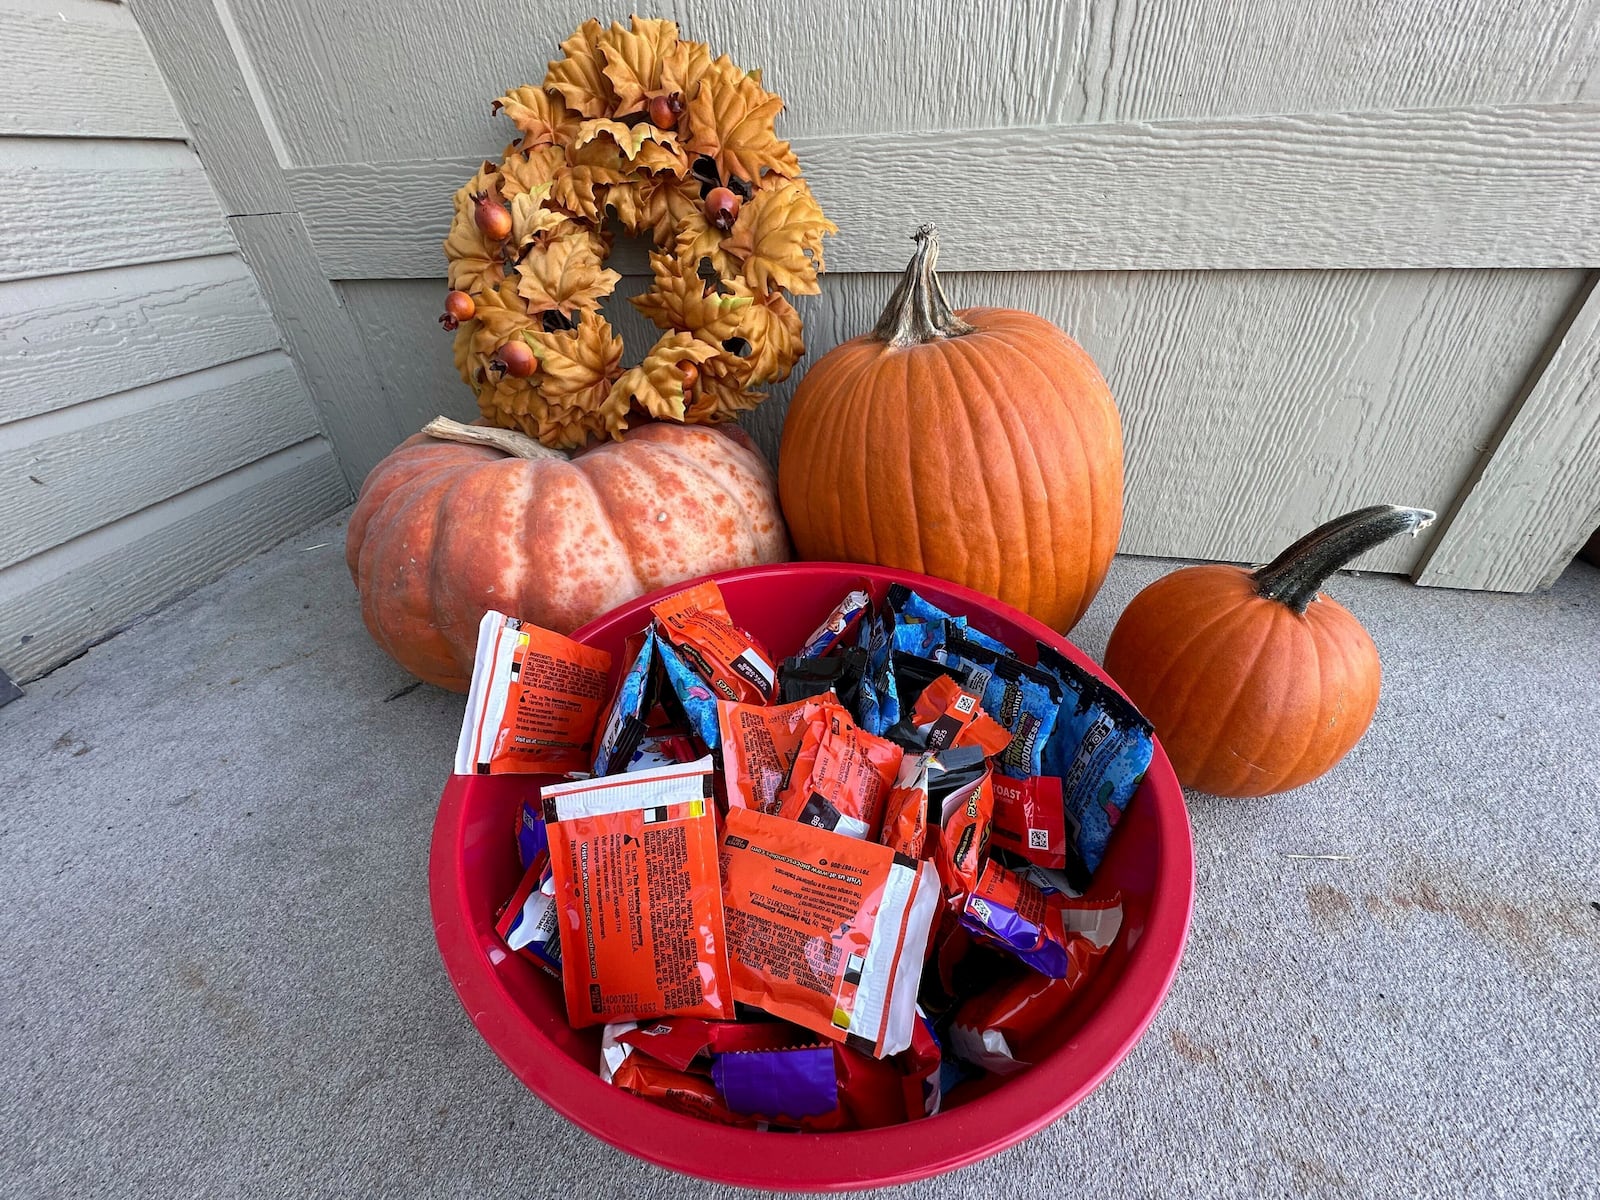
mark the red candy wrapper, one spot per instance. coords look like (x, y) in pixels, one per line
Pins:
(697, 623)
(534, 701)
(841, 777)
(680, 1041)
(622, 1066)
(1043, 929)
(826, 931)
(1030, 819)
(953, 717)
(996, 1029)
(634, 860)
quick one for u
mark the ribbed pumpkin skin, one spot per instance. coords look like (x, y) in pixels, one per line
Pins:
(443, 532)
(1248, 696)
(993, 459)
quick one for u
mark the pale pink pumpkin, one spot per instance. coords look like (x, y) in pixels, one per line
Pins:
(445, 530)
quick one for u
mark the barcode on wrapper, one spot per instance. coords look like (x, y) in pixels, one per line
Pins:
(1038, 839)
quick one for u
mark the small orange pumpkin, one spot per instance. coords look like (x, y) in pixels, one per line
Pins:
(981, 447)
(463, 518)
(1255, 681)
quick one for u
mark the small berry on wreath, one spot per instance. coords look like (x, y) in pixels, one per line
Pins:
(641, 126)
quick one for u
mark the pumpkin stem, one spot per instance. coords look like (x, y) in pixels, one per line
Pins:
(918, 311)
(1296, 575)
(508, 441)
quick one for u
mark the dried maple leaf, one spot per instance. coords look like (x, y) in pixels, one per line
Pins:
(576, 362)
(461, 350)
(576, 370)
(530, 218)
(656, 384)
(667, 203)
(633, 59)
(666, 157)
(778, 238)
(628, 139)
(580, 76)
(731, 121)
(581, 190)
(564, 277)
(529, 170)
(543, 119)
(722, 392)
(628, 201)
(501, 315)
(682, 300)
(511, 403)
(476, 264)
(683, 67)
(772, 327)
(698, 239)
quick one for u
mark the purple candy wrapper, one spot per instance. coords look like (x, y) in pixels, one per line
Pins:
(792, 1083)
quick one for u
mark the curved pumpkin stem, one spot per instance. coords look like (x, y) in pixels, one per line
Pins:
(1296, 575)
(918, 311)
(508, 441)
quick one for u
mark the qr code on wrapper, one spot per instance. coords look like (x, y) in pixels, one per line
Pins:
(1038, 839)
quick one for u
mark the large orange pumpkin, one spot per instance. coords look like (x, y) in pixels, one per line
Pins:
(447, 529)
(1256, 681)
(981, 447)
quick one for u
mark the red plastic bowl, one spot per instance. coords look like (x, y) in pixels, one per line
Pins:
(521, 1014)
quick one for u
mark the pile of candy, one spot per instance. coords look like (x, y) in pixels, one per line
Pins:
(810, 894)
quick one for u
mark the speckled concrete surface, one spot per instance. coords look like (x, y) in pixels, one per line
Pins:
(219, 973)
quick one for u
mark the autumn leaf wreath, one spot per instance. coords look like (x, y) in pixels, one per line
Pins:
(639, 125)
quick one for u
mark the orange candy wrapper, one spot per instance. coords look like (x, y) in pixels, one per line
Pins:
(905, 815)
(826, 931)
(634, 861)
(955, 719)
(759, 744)
(967, 811)
(697, 623)
(534, 701)
(842, 775)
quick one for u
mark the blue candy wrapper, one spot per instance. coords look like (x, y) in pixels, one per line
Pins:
(1024, 699)
(912, 607)
(838, 624)
(625, 724)
(921, 638)
(694, 696)
(532, 840)
(530, 922)
(798, 1082)
(1101, 749)
(879, 703)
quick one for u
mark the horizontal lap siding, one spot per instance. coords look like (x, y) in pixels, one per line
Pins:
(1300, 245)
(88, 59)
(152, 431)
(1499, 187)
(1253, 403)
(70, 472)
(58, 602)
(71, 338)
(368, 80)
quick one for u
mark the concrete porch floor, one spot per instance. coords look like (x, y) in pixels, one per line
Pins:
(220, 977)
